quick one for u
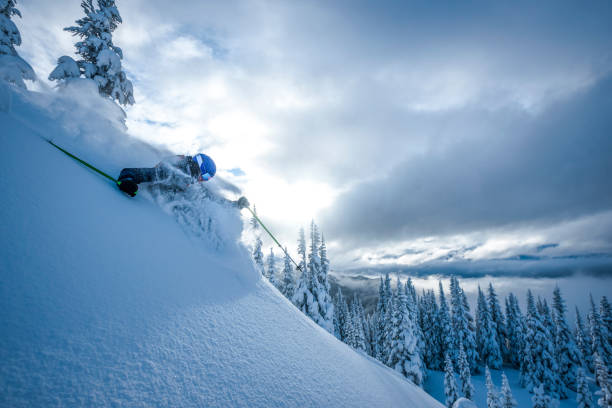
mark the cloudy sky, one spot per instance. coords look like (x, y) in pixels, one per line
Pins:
(465, 136)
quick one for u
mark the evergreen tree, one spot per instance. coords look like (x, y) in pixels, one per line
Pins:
(605, 312)
(380, 322)
(464, 373)
(271, 270)
(404, 355)
(302, 296)
(258, 256)
(462, 325)
(602, 378)
(541, 400)
(492, 398)
(430, 327)
(567, 354)
(445, 331)
(506, 399)
(584, 398)
(514, 331)
(302, 250)
(583, 341)
(312, 293)
(339, 315)
(486, 334)
(498, 321)
(450, 385)
(13, 68)
(414, 314)
(100, 58)
(600, 342)
(539, 355)
(287, 283)
(358, 325)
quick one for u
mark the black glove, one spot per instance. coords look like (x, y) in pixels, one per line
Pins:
(128, 187)
(242, 203)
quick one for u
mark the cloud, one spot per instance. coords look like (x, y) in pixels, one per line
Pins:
(431, 125)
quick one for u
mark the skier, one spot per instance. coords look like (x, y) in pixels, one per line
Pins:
(174, 174)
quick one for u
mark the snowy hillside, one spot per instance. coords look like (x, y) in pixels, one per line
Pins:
(107, 300)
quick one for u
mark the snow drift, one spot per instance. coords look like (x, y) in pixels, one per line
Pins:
(106, 300)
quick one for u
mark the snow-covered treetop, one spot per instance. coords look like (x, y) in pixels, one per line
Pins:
(100, 58)
(12, 67)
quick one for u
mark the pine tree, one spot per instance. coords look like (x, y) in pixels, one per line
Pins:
(541, 400)
(358, 326)
(404, 355)
(506, 400)
(302, 296)
(605, 312)
(100, 58)
(462, 325)
(464, 373)
(514, 331)
(287, 283)
(567, 354)
(498, 321)
(584, 398)
(13, 68)
(445, 332)
(492, 398)
(450, 385)
(430, 327)
(602, 378)
(486, 334)
(381, 318)
(271, 270)
(583, 341)
(539, 355)
(258, 256)
(600, 342)
(312, 292)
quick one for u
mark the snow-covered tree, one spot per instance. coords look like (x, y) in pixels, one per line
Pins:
(506, 399)
(486, 334)
(359, 342)
(445, 331)
(492, 397)
(498, 321)
(539, 355)
(584, 397)
(464, 373)
(258, 255)
(603, 380)
(462, 323)
(600, 341)
(100, 59)
(514, 331)
(542, 400)
(287, 283)
(430, 328)
(583, 341)
(13, 68)
(605, 311)
(382, 314)
(450, 385)
(404, 355)
(271, 269)
(566, 353)
(312, 292)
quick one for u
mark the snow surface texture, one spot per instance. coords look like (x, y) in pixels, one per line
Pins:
(107, 301)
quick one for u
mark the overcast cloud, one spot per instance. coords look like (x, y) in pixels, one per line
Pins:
(413, 132)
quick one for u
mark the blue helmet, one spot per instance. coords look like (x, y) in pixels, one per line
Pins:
(207, 166)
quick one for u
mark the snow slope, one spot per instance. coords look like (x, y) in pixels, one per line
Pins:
(108, 301)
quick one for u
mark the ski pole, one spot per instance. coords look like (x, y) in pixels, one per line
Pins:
(275, 240)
